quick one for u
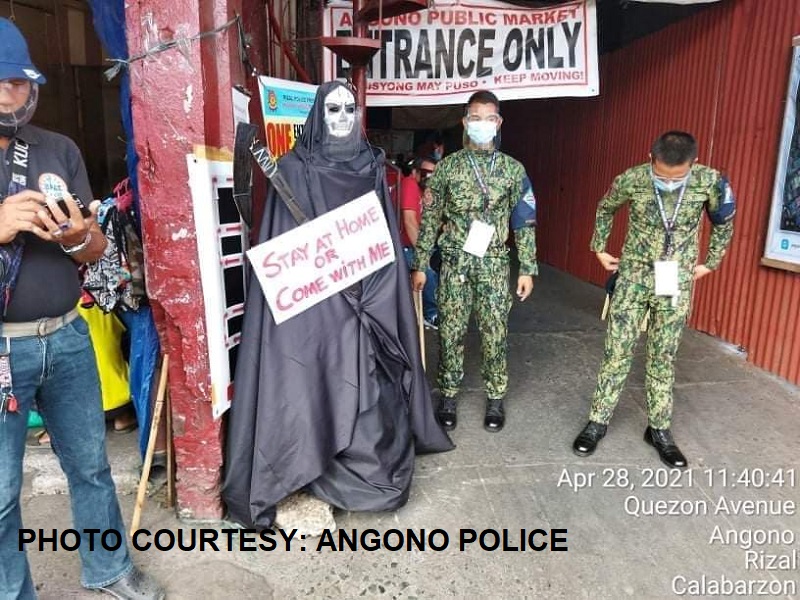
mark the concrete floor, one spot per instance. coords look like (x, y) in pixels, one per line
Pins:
(729, 416)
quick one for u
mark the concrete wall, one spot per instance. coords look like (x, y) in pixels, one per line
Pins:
(181, 100)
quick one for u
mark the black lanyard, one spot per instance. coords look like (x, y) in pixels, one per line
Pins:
(669, 224)
(479, 177)
(19, 166)
(11, 253)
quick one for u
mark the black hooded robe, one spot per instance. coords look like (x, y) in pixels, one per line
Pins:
(333, 400)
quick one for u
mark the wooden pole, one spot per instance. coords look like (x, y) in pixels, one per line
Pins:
(170, 458)
(420, 324)
(151, 446)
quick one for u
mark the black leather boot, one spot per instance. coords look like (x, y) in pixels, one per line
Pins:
(495, 418)
(668, 452)
(586, 442)
(446, 413)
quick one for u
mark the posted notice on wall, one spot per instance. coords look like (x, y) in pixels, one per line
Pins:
(285, 106)
(304, 266)
(782, 248)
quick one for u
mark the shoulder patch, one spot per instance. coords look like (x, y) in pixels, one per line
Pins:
(524, 213)
(725, 207)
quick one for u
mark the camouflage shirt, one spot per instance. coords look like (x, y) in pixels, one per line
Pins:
(644, 241)
(458, 201)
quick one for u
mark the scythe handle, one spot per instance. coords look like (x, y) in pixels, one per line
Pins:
(247, 144)
(270, 169)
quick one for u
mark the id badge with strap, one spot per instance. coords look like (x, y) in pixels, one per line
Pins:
(667, 282)
(478, 239)
(480, 232)
(8, 401)
(666, 278)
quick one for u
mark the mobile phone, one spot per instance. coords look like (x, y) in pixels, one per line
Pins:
(85, 212)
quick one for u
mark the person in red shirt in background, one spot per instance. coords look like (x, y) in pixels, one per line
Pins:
(412, 200)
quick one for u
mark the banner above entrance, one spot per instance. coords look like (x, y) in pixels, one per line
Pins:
(444, 54)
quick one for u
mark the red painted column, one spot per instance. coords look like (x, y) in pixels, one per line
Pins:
(181, 99)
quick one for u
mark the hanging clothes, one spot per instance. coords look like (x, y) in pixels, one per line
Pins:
(115, 283)
(116, 279)
(106, 332)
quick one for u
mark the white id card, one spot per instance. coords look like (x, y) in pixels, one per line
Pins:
(479, 238)
(666, 272)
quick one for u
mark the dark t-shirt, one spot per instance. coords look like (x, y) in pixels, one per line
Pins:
(48, 284)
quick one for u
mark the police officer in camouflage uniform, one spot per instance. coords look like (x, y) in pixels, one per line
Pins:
(475, 191)
(657, 271)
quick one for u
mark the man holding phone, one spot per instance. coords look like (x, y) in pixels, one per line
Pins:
(62, 204)
(45, 349)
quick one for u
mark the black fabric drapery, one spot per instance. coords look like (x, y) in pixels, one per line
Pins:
(334, 400)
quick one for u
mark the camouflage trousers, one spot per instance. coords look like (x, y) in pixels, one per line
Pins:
(470, 284)
(629, 304)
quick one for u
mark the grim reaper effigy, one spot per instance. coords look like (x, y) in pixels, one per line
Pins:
(333, 401)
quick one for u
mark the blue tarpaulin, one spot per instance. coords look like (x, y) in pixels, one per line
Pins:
(109, 24)
(143, 360)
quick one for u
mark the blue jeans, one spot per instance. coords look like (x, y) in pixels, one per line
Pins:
(429, 309)
(60, 372)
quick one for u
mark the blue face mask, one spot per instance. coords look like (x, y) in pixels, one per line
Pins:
(481, 132)
(668, 185)
(437, 154)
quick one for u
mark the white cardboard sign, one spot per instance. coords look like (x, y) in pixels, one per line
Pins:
(314, 261)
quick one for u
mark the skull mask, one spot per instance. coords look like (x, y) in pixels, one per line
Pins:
(340, 112)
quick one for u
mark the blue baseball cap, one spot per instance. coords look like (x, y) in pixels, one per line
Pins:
(15, 60)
